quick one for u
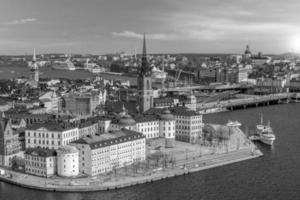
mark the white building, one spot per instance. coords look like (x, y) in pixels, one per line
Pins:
(188, 124)
(50, 135)
(40, 162)
(167, 128)
(67, 161)
(102, 153)
(148, 125)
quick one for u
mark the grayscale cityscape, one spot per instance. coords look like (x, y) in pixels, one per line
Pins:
(149, 100)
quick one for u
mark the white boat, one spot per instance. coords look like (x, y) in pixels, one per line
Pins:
(264, 133)
(233, 124)
(64, 65)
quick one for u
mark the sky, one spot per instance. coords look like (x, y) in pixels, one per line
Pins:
(171, 26)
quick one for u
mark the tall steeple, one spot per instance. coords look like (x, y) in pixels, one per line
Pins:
(34, 71)
(144, 80)
(145, 70)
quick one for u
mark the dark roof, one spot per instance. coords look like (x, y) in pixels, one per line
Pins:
(116, 107)
(51, 126)
(107, 139)
(183, 111)
(164, 100)
(177, 110)
(42, 152)
(145, 118)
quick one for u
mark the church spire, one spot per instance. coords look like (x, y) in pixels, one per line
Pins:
(144, 68)
(34, 56)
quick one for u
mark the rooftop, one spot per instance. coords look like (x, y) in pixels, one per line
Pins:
(41, 152)
(107, 139)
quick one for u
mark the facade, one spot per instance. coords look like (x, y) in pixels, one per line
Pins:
(50, 135)
(188, 124)
(40, 162)
(88, 127)
(167, 128)
(81, 104)
(102, 153)
(144, 80)
(67, 161)
(10, 144)
(50, 101)
(148, 125)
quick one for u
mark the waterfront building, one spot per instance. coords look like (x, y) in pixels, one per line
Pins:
(102, 153)
(40, 162)
(67, 161)
(50, 135)
(144, 82)
(148, 125)
(10, 144)
(269, 85)
(167, 128)
(188, 124)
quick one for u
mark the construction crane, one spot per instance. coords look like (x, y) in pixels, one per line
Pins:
(177, 76)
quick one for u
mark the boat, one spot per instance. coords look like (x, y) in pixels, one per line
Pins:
(64, 65)
(233, 124)
(264, 133)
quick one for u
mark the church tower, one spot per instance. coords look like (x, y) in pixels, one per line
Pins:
(144, 83)
(34, 71)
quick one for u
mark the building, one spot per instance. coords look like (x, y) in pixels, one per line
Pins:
(102, 153)
(67, 161)
(82, 104)
(34, 72)
(167, 128)
(50, 101)
(88, 127)
(50, 135)
(40, 162)
(10, 144)
(148, 125)
(144, 82)
(188, 124)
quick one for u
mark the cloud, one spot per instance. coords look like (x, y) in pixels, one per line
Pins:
(22, 21)
(157, 36)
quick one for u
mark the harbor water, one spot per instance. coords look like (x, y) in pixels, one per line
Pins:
(276, 175)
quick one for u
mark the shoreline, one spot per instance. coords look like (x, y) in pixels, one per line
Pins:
(213, 160)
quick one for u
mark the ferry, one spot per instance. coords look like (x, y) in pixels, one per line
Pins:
(264, 133)
(64, 65)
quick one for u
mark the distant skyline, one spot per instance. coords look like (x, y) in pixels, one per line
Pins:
(172, 26)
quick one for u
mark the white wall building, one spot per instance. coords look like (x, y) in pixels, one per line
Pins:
(67, 161)
(49, 135)
(102, 153)
(40, 162)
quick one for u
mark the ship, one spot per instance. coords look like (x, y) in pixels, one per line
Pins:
(264, 133)
(64, 65)
(158, 74)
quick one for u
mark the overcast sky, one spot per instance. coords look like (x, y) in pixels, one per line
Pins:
(172, 26)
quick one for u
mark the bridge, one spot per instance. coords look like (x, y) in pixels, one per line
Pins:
(216, 88)
(248, 102)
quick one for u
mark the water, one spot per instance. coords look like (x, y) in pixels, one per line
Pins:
(276, 175)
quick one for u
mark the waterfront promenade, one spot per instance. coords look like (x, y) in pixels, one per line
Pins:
(121, 180)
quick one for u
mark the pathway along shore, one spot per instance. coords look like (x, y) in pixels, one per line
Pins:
(91, 184)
